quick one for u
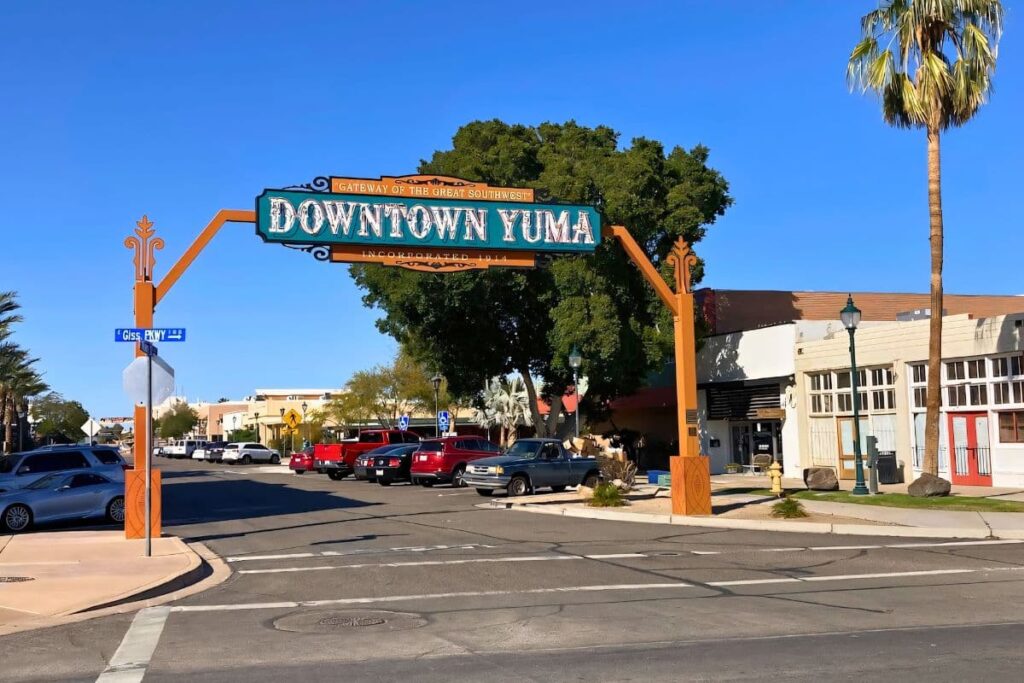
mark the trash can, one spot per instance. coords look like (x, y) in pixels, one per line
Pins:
(888, 472)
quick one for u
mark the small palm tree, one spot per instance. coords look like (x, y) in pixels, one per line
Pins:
(506, 405)
(931, 62)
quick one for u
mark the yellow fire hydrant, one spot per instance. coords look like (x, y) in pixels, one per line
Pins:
(775, 472)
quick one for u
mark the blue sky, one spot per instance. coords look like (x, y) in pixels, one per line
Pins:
(112, 110)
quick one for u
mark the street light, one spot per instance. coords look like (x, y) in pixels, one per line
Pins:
(281, 436)
(436, 381)
(850, 316)
(304, 427)
(22, 414)
(256, 418)
(575, 360)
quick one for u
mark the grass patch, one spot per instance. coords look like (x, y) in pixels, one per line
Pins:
(788, 508)
(903, 500)
(607, 495)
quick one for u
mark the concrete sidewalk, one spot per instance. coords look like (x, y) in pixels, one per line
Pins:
(45, 577)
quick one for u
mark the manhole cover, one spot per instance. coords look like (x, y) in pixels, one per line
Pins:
(351, 621)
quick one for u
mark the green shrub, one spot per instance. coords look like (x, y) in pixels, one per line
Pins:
(789, 508)
(607, 495)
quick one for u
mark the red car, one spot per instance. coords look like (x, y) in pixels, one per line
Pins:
(302, 461)
(444, 460)
(339, 460)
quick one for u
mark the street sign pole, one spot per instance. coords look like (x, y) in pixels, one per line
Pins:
(149, 452)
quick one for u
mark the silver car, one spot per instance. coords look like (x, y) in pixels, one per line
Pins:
(63, 496)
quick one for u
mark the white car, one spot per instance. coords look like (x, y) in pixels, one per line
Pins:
(248, 452)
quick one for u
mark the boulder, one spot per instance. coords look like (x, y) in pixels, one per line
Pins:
(821, 479)
(586, 493)
(928, 485)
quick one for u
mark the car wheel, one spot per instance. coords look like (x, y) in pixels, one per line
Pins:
(115, 510)
(17, 518)
(558, 489)
(246, 460)
(486, 493)
(336, 476)
(591, 480)
(384, 482)
(300, 471)
(426, 483)
(275, 459)
(458, 477)
(519, 486)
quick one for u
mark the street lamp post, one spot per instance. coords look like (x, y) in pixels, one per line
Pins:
(281, 436)
(575, 360)
(850, 315)
(305, 427)
(256, 419)
(22, 414)
(436, 381)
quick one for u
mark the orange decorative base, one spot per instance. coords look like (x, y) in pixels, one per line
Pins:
(691, 485)
(135, 504)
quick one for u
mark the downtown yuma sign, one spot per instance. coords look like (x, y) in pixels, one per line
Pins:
(423, 222)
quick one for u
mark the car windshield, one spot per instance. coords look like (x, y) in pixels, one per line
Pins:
(431, 446)
(371, 437)
(48, 482)
(524, 449)
(231, 446)
(381, 450)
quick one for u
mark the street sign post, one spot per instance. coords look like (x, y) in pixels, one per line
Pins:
(148, 379)
(443, 421)
(403, 423)
(90, 427)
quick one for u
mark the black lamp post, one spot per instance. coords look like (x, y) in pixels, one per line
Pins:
(575, 360)
(304, 406)
(850, 316)
(281, 437)
(436, 381)
(22, 415)
(256, 417)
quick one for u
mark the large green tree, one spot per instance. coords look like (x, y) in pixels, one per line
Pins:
(59, 419)
(20, 381)
(478, 325)
(931, 63)
(178, 421)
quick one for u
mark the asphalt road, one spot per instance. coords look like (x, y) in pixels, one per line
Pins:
(353, 580)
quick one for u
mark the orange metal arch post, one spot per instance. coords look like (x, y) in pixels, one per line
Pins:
(146, 295)
(690, 470)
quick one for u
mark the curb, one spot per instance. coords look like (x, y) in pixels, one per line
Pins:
(209, 570)
(761, 524)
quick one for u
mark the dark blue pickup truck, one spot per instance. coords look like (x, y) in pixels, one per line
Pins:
(531, 464)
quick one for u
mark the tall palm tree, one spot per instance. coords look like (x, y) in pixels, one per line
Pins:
(506, 405)
(8, 304)
(26, 384)
(931, 62)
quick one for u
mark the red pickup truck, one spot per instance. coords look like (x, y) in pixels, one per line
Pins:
(338, 460)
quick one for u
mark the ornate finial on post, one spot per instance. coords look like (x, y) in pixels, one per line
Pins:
(145, 246)
(682, 259)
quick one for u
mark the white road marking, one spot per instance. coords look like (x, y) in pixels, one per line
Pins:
(826, 548)
(614, 556)
(422, 563)
(706, 552)
(426, 596)
(845, 577)
(361, 551)
(128, 665)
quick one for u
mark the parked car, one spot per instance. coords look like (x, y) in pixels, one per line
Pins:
(394, 465)
(184, 448)
(444, 460)
(246, 453)
(339, 460)
(364, 463)
(63, 495)
(531, 464)
(302, 461)
(210, 451)
(18, 470)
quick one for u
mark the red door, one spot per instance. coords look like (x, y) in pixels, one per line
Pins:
(970, 460)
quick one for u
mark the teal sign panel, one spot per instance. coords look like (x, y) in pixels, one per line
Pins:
(322, 218)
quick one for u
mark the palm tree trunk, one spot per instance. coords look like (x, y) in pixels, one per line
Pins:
(8, 408)
(539, 426)
(931, 424)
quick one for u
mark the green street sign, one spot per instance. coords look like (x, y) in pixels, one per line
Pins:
(411, 217)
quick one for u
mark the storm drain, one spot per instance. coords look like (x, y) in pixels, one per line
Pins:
(16, 579)
(350, 621)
